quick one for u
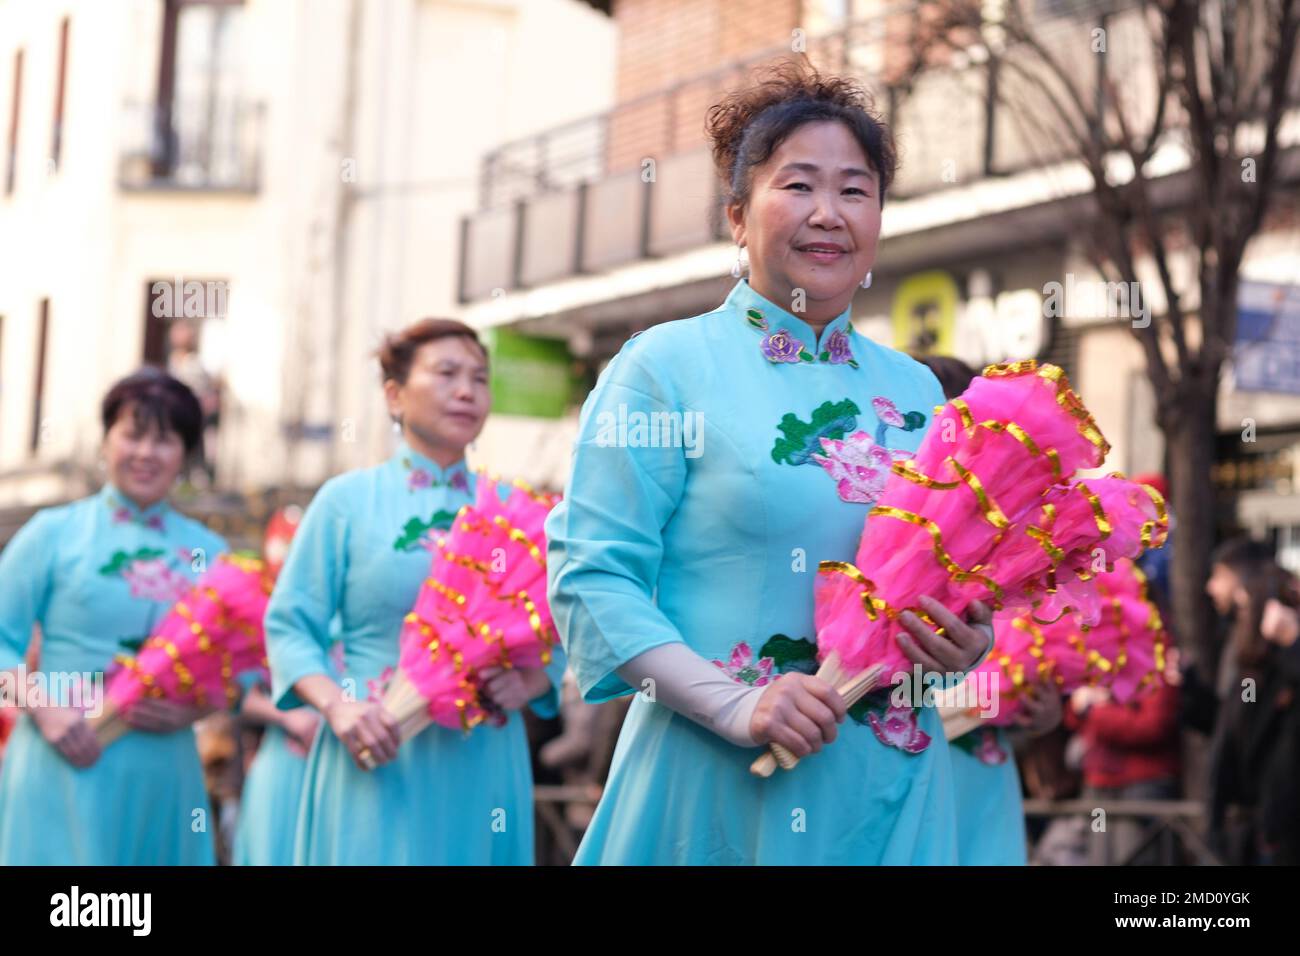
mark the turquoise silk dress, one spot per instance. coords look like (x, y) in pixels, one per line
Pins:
(268, 806)
(97, 575)
(990, 812)
(714, 539)
(362, 551)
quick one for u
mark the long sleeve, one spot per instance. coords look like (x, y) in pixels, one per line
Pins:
(675, 676)
(606, 537)
(307, 593)
(25, 582)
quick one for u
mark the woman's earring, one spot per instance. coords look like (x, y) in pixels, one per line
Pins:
(397, 427)
(866, 282)
(738, 267)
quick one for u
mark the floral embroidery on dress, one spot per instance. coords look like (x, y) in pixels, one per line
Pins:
(893, 726)
(743, 669)
(897, 727)
(988, 750)
(419, 478)
(838, 351)
(782, 346)
(148, 574)
(124, 515)
(890, 417)
(417, 533)
(801, 440)
(859, 466)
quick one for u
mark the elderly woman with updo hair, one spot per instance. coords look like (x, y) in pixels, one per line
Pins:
(361, 552)
(686, 575)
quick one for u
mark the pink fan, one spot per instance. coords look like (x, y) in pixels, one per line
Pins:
(979, 491)
(483, 605)
(208, 638)
(1124, 651)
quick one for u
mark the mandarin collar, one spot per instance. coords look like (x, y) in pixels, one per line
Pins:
(415, 463)
(744, 299)
(125, 510)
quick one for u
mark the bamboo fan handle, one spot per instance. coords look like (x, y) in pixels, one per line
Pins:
(776, 755)
(959, 724)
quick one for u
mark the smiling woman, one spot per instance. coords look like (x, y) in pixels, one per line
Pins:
(687, 577)
(359, 558)
(807, 166)
(96, 575)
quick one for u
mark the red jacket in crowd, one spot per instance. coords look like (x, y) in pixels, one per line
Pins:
(1129, 743)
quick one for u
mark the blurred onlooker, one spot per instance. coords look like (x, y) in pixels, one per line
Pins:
(1252, 711)
(185, 364)
(1130, 752)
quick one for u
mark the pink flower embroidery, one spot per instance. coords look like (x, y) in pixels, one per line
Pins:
(887, 412)
(988, 751)
(744, 670)
(859, 466)
(121, 516)
(378, 685)
(897, 728)
(338, 660)
(153, 580)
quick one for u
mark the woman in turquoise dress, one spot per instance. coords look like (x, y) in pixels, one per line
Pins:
(96, 575)
(443, 797)
(272, 794)
(268, 805)
(719, 459)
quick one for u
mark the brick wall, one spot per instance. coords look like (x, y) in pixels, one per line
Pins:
(667, 42)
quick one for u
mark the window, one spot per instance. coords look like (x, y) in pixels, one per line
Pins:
(38, 392)
(12, 166)
(200, 115)
(56, 137)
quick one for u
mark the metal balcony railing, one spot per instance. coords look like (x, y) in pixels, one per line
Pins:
(213, 144)
(637, 182)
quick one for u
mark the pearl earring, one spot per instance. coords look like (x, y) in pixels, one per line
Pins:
(736, 269)
(866, 282)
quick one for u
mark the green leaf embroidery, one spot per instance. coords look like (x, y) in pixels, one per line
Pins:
(755, 318)
(789, 654)
(122, 560)
(803, 439)
(876, 702)
(912, 421)
(131, 644)
(966, 742)
(824, 357)
(415, 529)
(805, 355)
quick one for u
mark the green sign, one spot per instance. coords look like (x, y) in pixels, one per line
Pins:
(530, 376)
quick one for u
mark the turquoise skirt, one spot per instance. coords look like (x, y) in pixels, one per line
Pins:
(268, 808)
(679, 794)
(448, 799)
(143, 803)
